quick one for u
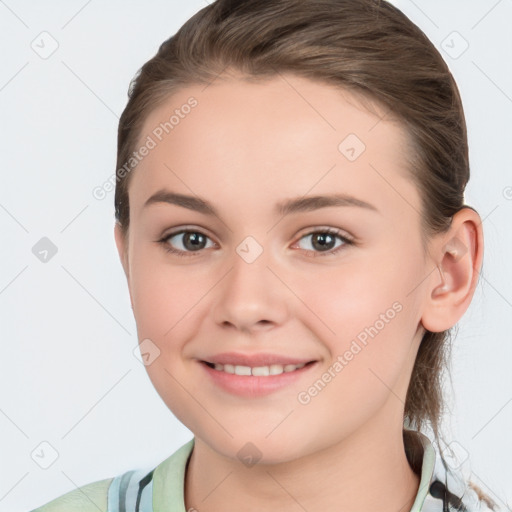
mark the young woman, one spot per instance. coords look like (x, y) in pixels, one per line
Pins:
(291, 221)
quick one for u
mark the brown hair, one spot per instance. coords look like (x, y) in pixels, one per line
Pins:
(367, 47)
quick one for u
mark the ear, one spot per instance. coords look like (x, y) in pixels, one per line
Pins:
(457, 255)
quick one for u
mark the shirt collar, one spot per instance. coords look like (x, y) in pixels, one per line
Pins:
(429, 469)
(169, 480)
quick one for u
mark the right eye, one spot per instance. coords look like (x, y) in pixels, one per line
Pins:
(188, 241)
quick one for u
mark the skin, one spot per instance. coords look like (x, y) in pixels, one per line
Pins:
(244, 148)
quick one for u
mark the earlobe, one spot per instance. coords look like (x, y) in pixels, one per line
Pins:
(458, 262)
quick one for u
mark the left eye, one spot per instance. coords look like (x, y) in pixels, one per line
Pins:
(324, 241)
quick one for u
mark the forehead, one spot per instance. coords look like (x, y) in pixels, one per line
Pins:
(285, 133)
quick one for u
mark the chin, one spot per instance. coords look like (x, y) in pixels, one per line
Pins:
(257, 449)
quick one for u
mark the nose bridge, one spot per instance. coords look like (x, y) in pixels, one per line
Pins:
(250, 293)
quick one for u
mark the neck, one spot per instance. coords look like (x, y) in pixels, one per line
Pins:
(368, 470)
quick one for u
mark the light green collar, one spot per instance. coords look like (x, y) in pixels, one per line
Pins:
(427, 471)
(169, 481)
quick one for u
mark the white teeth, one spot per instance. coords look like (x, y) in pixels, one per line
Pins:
(258, 371)
(229, 368)
(276, 369)
(242, 370)
(261, 371)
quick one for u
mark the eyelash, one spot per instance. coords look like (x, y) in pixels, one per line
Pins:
(346, 241)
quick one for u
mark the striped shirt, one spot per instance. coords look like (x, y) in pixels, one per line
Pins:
(161, 489)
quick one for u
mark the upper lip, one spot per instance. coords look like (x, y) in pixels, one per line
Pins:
(255, 360)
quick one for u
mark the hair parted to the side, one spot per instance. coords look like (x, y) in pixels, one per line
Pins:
(367, 47)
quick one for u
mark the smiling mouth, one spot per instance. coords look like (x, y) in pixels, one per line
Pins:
(257, 371)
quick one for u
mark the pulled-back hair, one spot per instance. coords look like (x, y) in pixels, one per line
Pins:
(367, 47)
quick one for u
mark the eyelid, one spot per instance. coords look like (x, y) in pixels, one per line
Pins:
(327, 229)
(187, 229)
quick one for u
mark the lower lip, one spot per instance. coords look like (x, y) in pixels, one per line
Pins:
(251, 386)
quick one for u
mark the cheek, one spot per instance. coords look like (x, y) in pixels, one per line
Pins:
(164, 296)
(165, 299)
(368, 353)
(350, 299)
(370, 315)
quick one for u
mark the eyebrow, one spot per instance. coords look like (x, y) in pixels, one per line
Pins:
(301, 204)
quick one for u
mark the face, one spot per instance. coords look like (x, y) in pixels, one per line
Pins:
(251, 265)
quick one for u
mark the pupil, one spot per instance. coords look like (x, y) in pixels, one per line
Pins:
(320, 238)
(194, 241)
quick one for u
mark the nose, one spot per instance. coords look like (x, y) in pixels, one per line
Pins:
(251, 296)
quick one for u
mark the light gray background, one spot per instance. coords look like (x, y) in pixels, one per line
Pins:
(68, 374)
